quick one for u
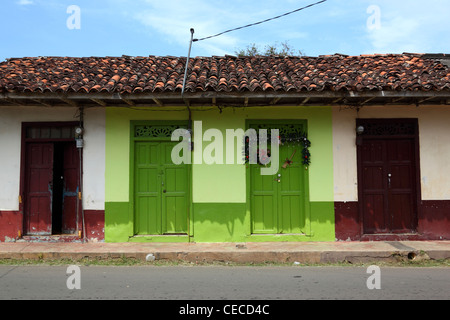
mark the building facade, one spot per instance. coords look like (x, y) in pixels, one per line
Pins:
(88, 149)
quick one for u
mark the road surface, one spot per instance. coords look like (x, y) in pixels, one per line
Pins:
(222, 283)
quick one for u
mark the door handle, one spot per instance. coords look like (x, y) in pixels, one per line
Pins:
(389, 180)
(278, 179)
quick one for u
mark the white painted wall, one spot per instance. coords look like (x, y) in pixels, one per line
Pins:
(11, 119)
(94, 159)
(434, 141)
(344, 155)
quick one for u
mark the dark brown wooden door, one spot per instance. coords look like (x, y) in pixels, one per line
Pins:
(388, 185)
(39, 189)
(70, 188)
(52, 185)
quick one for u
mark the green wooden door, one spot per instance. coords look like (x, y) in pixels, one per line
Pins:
(161, 190)
(278, 201)
(291, 193)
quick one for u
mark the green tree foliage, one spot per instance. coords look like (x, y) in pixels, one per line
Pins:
(283, 49)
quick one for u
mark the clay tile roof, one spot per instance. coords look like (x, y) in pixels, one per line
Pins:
(402, 72)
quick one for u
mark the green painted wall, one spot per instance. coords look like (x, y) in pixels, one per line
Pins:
(118, 221)
(322, 221)
(220, 222)
(230, 222)
(217, 183)
(219, 211)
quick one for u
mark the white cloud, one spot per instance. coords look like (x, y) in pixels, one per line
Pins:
(414, 28)
(24, 2)
(174, 18)
(397, 35)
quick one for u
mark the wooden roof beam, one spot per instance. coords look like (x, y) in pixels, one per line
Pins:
(68, 101)
(305, 101)
(298, 98)
(158, 102)
(397, 99)
(128, 102)
(42, 102)
(100, 102)
(14, 102)
(367, 100)
(275, 100)
(425, 99)
(336, 100)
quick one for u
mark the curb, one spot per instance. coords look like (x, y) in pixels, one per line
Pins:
(239, 257)
(246, 253)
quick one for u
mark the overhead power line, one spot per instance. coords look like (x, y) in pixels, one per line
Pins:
(263, 21)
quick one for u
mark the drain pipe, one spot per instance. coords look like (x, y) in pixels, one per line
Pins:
(186, 67)
(191, 144)
(184, 87)
(80, 145)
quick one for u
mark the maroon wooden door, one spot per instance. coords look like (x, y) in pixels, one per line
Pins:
(50, 178)
(39, 188)
(70, 188)
(388, 185)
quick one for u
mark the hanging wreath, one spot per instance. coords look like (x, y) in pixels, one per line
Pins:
(263, 155)
(306, 155)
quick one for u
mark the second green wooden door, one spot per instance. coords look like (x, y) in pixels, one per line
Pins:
(161, 190)
(278, 202)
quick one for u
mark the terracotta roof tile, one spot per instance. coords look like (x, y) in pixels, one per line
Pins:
(225, 74)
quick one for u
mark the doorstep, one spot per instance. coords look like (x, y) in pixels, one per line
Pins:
(51, 238)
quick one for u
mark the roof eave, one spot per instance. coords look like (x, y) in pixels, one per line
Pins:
(237, 99)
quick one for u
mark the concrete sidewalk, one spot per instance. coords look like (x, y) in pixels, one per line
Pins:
(249, 252)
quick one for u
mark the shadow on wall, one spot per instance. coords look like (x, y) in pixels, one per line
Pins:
(220, 222)
(228, 222)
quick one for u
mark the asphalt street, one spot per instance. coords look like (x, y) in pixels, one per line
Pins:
(223, 283)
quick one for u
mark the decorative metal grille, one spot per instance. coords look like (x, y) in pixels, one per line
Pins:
(389, 129)
(287, 132)
(156, 131)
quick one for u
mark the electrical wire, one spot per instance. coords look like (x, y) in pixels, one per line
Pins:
(260, 22)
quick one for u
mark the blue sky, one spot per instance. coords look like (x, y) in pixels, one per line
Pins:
(155, 27)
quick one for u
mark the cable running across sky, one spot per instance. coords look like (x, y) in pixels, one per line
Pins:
(263, 21)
